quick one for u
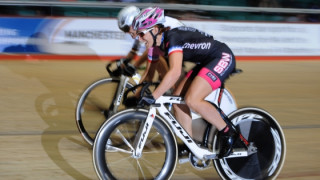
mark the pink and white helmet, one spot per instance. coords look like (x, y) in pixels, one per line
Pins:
(148, 18)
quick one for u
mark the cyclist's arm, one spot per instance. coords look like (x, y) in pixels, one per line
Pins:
(142, 59)
(172, 76)
(148, 74)
(155, 63)
(162, 67)
(132, 54)
(134, 49)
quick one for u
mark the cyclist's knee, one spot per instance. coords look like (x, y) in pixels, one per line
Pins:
(192, 102)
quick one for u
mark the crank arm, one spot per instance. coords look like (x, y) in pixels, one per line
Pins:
(237, 152)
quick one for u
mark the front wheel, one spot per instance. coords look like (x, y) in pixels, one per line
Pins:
(113, 156)
(262, 129)
(94, 106)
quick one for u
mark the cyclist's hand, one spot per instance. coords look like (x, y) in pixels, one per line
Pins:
(146, 101)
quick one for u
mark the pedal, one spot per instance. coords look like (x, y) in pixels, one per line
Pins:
(211, 156)
(183, 160)
(252, 149)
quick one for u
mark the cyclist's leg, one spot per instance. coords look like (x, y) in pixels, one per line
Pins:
(195, 99)
(182, 111)
(208, 79)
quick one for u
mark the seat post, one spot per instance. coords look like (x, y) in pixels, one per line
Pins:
(235, 71)
(220, 94)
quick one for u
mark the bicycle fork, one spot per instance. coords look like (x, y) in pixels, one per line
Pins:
(143, 133)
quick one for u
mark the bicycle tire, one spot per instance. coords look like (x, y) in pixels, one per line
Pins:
(257, 126)
(113, 158)
(93, 104)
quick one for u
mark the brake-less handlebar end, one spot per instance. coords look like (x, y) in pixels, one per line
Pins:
(122, 67)
(144, 90)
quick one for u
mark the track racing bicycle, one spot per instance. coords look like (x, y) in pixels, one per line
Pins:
(141, 144)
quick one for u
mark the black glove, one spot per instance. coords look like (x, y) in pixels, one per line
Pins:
(131, 102)
(146, 101)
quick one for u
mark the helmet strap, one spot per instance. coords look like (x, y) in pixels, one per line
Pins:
(154, 38)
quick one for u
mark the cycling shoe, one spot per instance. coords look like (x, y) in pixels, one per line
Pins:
(226, 141)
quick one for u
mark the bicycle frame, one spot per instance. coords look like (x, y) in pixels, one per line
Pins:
(119, 94)
(159, 106)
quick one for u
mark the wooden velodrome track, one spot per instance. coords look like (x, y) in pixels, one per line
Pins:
(39, 138)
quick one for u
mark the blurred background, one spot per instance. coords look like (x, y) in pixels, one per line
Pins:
(105, 8)
(50, 51)
(250, 28)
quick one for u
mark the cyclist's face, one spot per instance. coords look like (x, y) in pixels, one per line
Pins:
(132, 33)
(146, 37)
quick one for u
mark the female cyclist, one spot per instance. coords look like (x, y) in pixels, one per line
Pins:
(214, 62)
(125, 18)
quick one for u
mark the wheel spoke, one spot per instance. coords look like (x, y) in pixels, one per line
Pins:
(143, 170)
(118, 132)
(116, 149)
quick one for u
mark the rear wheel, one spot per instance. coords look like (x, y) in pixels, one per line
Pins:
(262, 129)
